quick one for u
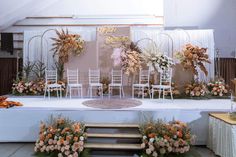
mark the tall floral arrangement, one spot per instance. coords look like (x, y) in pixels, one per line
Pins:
(60, 137)
(192, 57)
(130, 59)
(161, 139)
(152, 56)
(66, 44)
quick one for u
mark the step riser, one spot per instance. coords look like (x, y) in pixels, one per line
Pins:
(114, 141)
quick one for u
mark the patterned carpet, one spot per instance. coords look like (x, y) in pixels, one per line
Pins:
(112, 103)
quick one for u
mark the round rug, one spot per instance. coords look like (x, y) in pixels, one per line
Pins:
(112, 103)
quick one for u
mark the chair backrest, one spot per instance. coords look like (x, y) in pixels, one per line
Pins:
(94, 76)
(166, 77)
(72, 76)
(144, 76)
(116, 76)
(51, 76)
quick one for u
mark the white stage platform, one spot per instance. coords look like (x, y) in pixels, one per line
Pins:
(21, 124)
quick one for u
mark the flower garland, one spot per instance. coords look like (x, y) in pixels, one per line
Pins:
(65, 44)
(218, 88)
(161, 138)
(196, 90)
(62, 137)
(192, 57)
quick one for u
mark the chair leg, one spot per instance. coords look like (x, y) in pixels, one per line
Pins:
(120, 92)
(159, 93)
(60, 92)
(48, 93)
(70, 92)
(149, 90)
(81, 92)
(163, 93)
(142, 92)
(57, 93)
(171, 94)
(123, 93)
(78, 92)
(132, 91)
(45, 92)
(102, 91)
(152, 93)
(91, 90)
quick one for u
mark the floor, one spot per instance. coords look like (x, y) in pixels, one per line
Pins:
(31, 102)
(26, 150)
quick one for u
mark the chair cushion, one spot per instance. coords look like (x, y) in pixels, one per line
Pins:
(54, 85)
(74, 85)
(95, 84)
(161, 86)
(115, 84)
(141, 85)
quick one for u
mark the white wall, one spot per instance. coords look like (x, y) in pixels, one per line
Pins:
(219, 15)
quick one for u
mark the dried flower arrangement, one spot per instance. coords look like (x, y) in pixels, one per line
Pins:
(153, 57)
(130, 58)
(60, 137)
(196, 90)
(7, 104)
(218, 88)
(66, 44)
(192, 57)
(161, 139)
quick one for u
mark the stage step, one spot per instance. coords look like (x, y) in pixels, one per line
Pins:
(112, 125)
(115, 135)
(106, 146)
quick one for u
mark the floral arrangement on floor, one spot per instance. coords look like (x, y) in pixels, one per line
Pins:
(192, 57)
(162, 139)
(60, 138)
(7, 104)
(196, 90)
(22, 87)
(105, 81)
(66, 44)
(218, 88)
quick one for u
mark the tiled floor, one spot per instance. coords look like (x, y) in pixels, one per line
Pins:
(26, 150)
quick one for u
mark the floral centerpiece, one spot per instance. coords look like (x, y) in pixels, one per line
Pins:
(60, 137)
(218, 88)
(161, 139)
(192, 57)
(196, 90)
(66, 44)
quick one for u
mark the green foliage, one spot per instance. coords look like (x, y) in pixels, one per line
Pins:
(39, 70)
(27, 69)
(60, 69)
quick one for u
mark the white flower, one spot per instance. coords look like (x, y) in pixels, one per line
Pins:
(81, 138)
(154, 154)
(148, 151)
(151, 140)
(67, 153)
(144, 137)
(60, 155)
